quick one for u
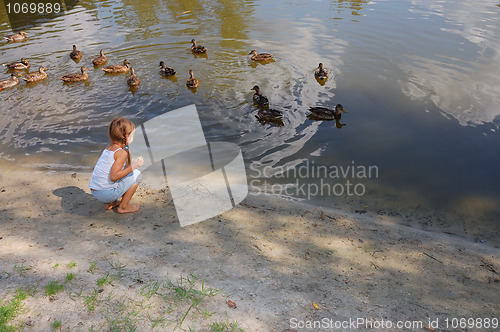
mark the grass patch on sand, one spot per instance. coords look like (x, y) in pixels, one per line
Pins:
(10, 309)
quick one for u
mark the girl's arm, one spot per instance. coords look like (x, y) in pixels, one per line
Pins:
(117, 172)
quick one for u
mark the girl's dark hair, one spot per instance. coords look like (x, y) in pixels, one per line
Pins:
(119, 131)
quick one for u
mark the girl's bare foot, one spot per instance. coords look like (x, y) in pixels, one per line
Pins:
(128, 209)
(109, 206)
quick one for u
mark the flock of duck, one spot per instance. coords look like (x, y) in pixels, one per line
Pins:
(264, 115)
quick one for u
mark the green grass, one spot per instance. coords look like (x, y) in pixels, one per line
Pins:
(9, 310)
(69, 277)
(224, 327)
(118, 267)
(93, 266)
(106, 280)
(21, 269)
(53, 287)
(56, 326)
(71, 265)
(91, 300)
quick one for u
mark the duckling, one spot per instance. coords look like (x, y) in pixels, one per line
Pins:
(166, 71)
(259, 99)
(16, 37)
(133, 79)
(100, 60)
(76, 77)
(9, 82)
(23, 64)
(260, 56)
(197, 48)
(114, 69)
(323, 113)
(76, 54)
(192, 82)
(36, 77)
(321, 72)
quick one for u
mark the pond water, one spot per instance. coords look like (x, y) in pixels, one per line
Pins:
(420, 81)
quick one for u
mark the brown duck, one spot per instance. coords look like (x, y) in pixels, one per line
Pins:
(9, 82)
(260, 56)
(75, 54)
(192, 82)
(22, 64)
(116, 69)
(100, 60)
(197, 48)
(133, 79)
(16, 37)
(36, 77)
(76, 77)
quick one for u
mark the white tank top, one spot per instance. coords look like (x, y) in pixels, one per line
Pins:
(100, 177)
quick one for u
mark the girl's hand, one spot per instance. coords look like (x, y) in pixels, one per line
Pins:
(137, 163)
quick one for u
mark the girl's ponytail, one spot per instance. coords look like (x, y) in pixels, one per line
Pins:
(119, 131)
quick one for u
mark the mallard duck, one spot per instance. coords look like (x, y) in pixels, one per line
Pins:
(16, 37)
(36, 77)
(260, 56)
(133, 79)
(321, 72)
(166, 71)
(192, 82)
(9, 82)
(269, 115)
(76, 77)
(114, 69)
(100, 60)
(23, 64)
(323, 113)
(197, 48)
(75, 54)
(259, 99)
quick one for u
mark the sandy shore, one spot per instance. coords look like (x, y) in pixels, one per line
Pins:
(286, 265)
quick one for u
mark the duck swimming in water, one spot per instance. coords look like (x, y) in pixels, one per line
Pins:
(116, 69)
(323, 113)
(76, 77)
(197, 48)
(36, 77)
(75, 54)
(269, 115)
(9, 82)
(22, 64)
(192, 82)
(166, 71)
(321, 72)
(16, 37)
(133, 79)
(100, 60)
(260, 56)
(259, 99)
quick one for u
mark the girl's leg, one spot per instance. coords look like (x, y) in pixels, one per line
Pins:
(124, 207)
(111, 205)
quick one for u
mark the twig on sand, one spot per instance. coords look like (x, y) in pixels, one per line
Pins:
(376, 266)
(488, 265)
(426, 254)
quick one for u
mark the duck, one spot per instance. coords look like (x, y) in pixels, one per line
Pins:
(133, 79)
(192, 82)
(16, 37)
(114, 69)
(166, 71)
(321, 72)
(36, 77)
(259, 99)
(269, 115)
(197, 48)
(9, 82)
(22, 64)
(75, 54)
(76, 77)
(323, 113)
(100, 60)
(260, 56)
